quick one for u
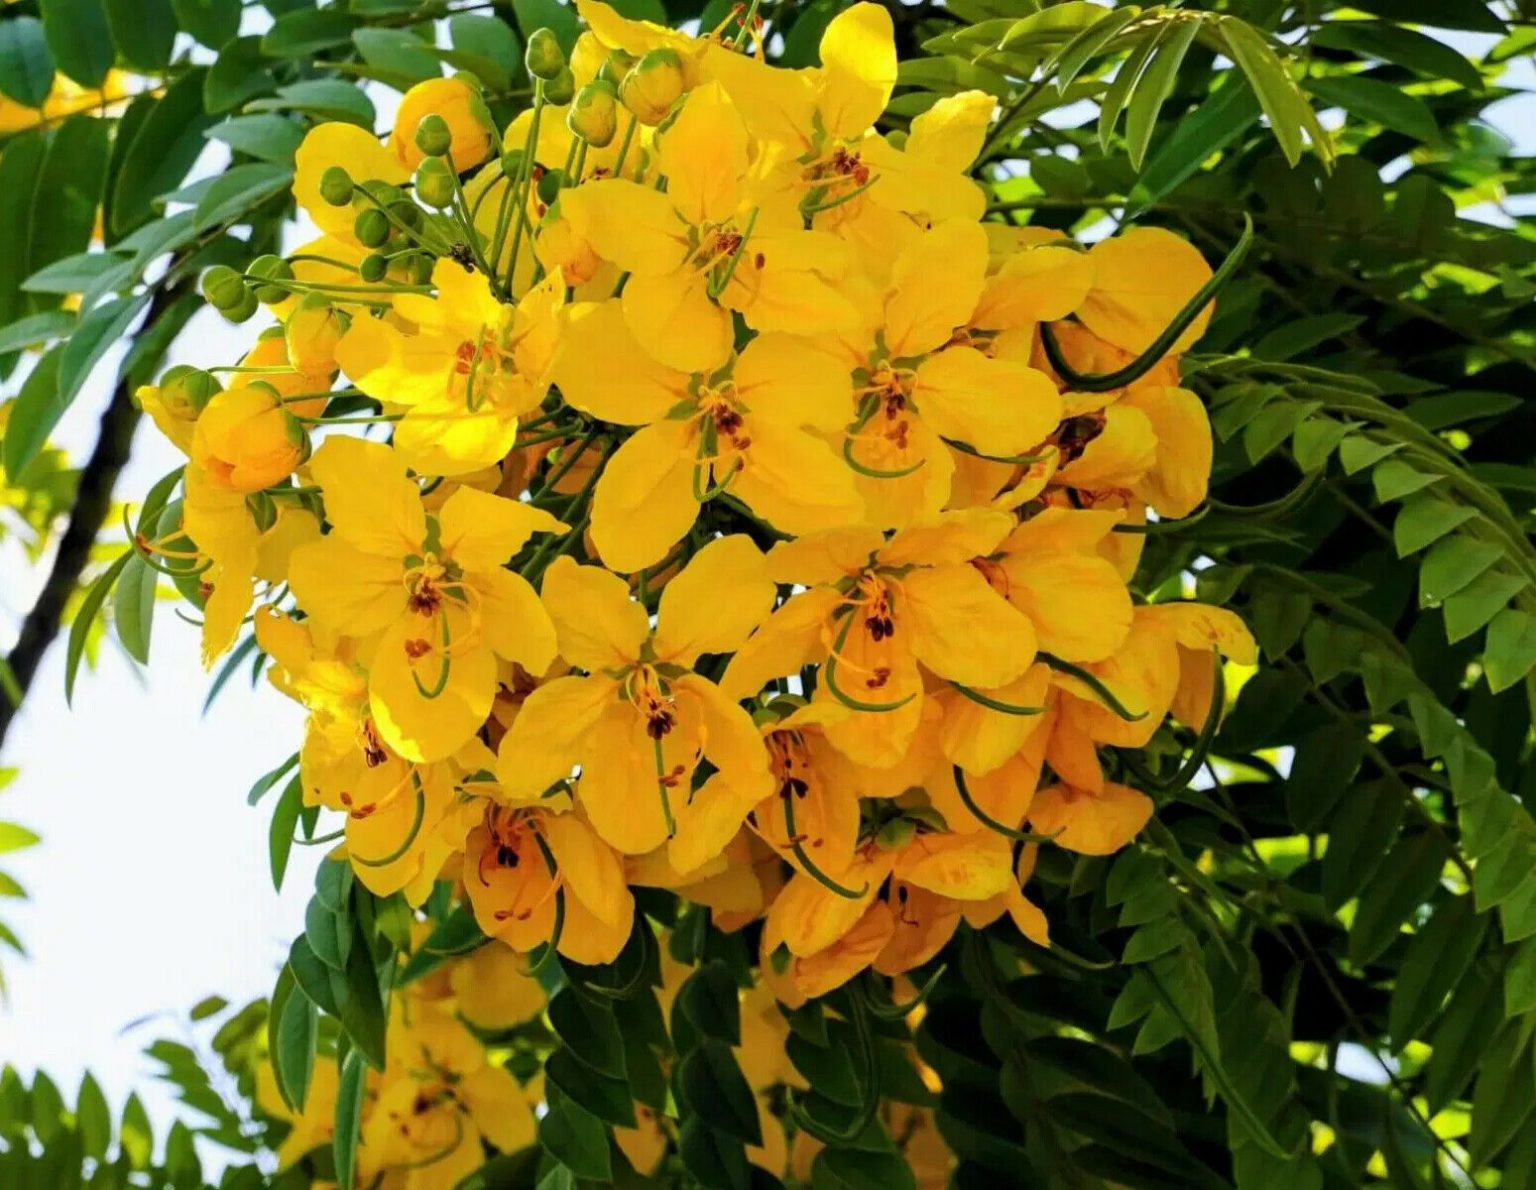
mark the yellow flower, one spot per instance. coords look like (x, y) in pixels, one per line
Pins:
(640, 719)
(536, 875)
(359, 153)
(459, 105)
(1090, 822)
(741, 428)
(309, 1128)
(432, 588)
(246, 440)
(874, 612)
(465, 370)
(917, 387)
(704, 248)
(1141, 279)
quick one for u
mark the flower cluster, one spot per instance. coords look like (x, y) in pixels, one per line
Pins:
(745, 515)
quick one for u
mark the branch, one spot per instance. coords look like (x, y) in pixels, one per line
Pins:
(93, 504)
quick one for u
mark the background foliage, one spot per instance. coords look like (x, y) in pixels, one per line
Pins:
(1318, 965)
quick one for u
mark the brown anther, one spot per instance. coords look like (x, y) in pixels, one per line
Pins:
(374, 753)
(425, 600)
(1073, 435)
(461, 255)
(205, 589)
(881, 676)
(416, 649)
(759, 260)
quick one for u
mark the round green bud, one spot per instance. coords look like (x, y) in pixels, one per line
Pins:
(224, 288)
(188, 387)
(616, 66)
(371, 228)
(560, 88)
(550, 182)
(373, 268)
(433, 136)
(242, 310)
(594, 114)
(434, 183)
(511, 163)
(336, 186)
(421, 268)
(896, 834)
(653, 86)
(406, 213)
(544, 57)
(272, 268)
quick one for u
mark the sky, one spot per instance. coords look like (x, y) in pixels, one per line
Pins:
(151, 890)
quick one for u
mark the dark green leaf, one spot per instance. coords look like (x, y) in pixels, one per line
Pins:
(36, 411)
(285, 818)
(133, 613)
(717, 1160)
(144, 30)
(239, 192)
(79, 39)
(715, 1090)
(576, 1138)
(590, 1030)
(709, 1000)
(212, 22)
(325, 99)
(163, 150)
(85, 615)
(1404, 881)
(1380, 103)
(239, 73)
(268, 137)
(350, 1093)
(1387, 42)
(306, 32)
(26, 66)
(606, 1098)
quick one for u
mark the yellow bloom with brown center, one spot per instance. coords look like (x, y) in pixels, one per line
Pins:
(246, 440)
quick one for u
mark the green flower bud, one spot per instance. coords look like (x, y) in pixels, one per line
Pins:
(653, 86)
(273, 268)
(594, 114)
(242, 310)
(511, 163)
(615, 67)
(336, 186)
(406, 213)
(433, 136)
(560, 88)
(434, 183)
(263, 510)
(373, 268)
(189, 388)
(544, 58)
(371, 228)
(549, 184)
(421, 268)
(224, 288)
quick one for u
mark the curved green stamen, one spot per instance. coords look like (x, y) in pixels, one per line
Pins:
(800, 854)
(410, 836)
(986, 820)
(995, 704)
(442, 677)
(829, 674)
(1103, 692)
(875, 472)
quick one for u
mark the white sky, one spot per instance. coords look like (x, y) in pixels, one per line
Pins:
(151, 890)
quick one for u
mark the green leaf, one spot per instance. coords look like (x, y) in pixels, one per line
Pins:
(1404, 881)
(133, 612)
(1451, 564)
(1081, 49)
(167, 143)
(93, 1118)
(1325, 763)
(709, 1001)
(1266, 74)
(72, 274)
(712, 1085)
(1510, 649)
(35, 330)
(97, 333)
(1458, 408)
(589, 1030)
(1387, 42)
(268, 137)
(1154, 89)
(26, 66)
(1394, 479)
(312, 976)
(717, 1160)
(1479, 601)
(1126, 80)
(326, 99)
(1210, 129)
(576, 1138)
(399, 53)
(362, 1009)
(68, 191)
(559, 18)
(212, 22)
(33, 415)
(1432, 967)
(144, 30)
(1442, 14)
(1425, 520)
(1359, 834)
(1293, 338)
(490, 38)
(239, 191)
(293, 1032)
(238, 74)
(606, 1098)
(79, 39)
(85, 616)
(350, 1093)
(16, 838)
(307, 32)
(860, 1169)
(1503, 1097)
(285, 817)
(1378, 103)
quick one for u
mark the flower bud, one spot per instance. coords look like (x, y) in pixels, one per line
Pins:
(263, 510)
(433, 136)
(246, 440)
(615, 67)
(895, 834)
(456, 105)
(176, 402)
(544, 57)
(560, 88)
(312, 332)
(223, 287)
(371, 228)
(406, 213)
(373, 268)
(434, 183)
(594, 114)
(421, 267)
(549, 184)
(336, 186)
(654, 84)
(243, 310)
(511, 163)
(273, 268)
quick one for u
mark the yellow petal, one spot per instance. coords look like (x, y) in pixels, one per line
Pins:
(516, 626)
(1200, 626)
(1176, 484)
(794, 382)
(1119, 457)
(794, 481)
(620, 786)
(962, 629)
(368, 499)
(969, 867)
(408, 660)
(599, 627)
(949, 134)
(344, 588)
(589, 868)
(359, 152)
(1002, 407)
(858, 69)
(480, 531)
(703, 153)
(790, 638)
(980, 739)
(1079, 607)
(634, 226)
(1141, 280)
(1090, 823)
(602, 369)
(644, 500)
(827, 556)
(934, 287)
(545, 740)
(948, 537)
(1035, 285)
(673, 315)
(715, 602)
